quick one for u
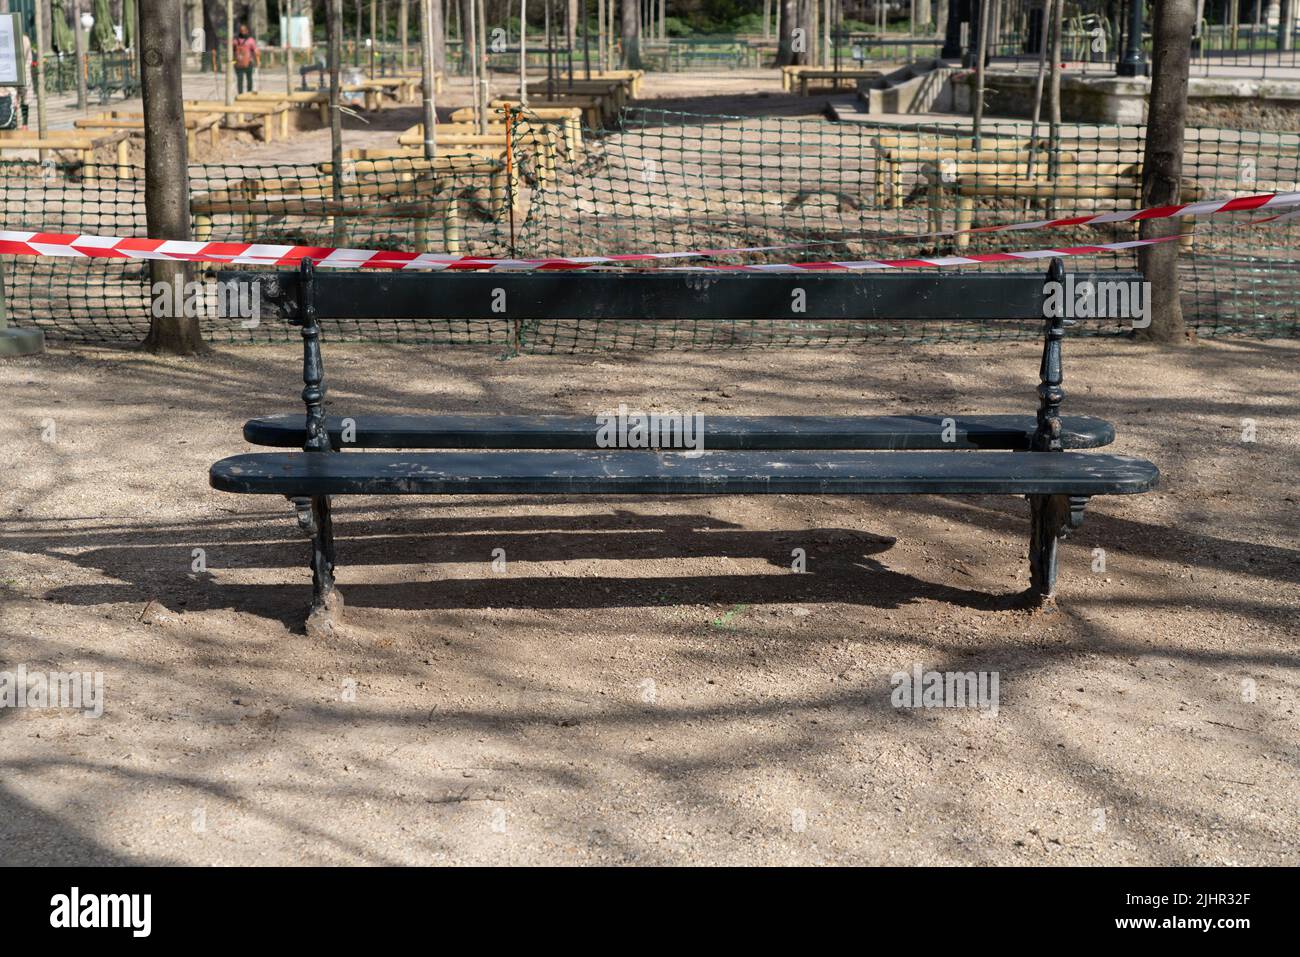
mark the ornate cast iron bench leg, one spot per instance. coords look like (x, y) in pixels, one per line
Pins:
(314, 513)
(1052, 518)
(326, 601)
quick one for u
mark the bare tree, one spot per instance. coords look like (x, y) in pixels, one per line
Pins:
(631, 35)
(981, 45)
(212, 12)
(1053, 39)
(403, 25)
(166, 176)
(79, 44)
(334, 39)
(1162, 168)
(427, 85)
(785, 55)
(439, 39)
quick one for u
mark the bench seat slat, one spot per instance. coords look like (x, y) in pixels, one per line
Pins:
(721, 432)
(652, 473)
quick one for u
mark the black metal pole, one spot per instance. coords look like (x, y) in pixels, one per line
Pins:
(973, 35)
(952, 33)
(1133, 62)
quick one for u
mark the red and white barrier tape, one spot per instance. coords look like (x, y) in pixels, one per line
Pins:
(254, 254)
(19, 243)
(1209, 207)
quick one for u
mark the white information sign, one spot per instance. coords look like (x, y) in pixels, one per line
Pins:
(11, 50)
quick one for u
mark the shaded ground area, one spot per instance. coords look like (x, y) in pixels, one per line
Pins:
(646, 680)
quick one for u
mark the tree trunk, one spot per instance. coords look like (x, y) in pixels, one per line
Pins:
(981, 44)
(228, 52)
(372, 57)
(211, 34)
(466, 25)
(631, 35)
(166, 176)
(258, 18)
(571, 30)
(1162, 167)
(1053, 40)
(286, 17)
(523, 50)
(403, 24)
(429, 117)
(79, 44)
(334, 39)
(480, 56)
(785, 37)
(439, 38)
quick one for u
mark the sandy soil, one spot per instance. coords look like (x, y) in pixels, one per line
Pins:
(647, 681)
(731, 93)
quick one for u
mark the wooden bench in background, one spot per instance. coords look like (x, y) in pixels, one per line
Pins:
(315, 101)
(133, 123)
(84, 143)
(269, 117)
(568, 120)
(428, 192)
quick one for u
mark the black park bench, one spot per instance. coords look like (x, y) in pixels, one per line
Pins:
(1034, 455)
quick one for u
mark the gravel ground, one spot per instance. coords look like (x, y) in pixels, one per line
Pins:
(646, 680)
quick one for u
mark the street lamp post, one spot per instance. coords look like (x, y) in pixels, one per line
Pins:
(1132, 62)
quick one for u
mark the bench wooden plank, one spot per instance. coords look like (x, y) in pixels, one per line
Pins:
(665, 295)
(721, 432)
(652, 473)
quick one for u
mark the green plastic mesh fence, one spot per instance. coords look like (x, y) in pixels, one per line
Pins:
(657, 181)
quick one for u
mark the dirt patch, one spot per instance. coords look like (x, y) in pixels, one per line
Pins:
(646, 679)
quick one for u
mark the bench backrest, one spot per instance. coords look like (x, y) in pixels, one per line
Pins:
(307, 296)
(664, 295)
